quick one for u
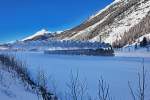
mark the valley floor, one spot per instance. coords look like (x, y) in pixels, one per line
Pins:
(117, 70)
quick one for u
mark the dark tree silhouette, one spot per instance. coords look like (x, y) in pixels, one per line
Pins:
(143, 43)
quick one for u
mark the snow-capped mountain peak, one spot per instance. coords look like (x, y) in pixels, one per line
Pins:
(39, 33)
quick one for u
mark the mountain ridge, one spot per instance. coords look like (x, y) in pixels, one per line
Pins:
(120, 23)
(111, 23)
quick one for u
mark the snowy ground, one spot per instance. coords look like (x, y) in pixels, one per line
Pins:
(11, 88)
(132, 52)
(117, 70)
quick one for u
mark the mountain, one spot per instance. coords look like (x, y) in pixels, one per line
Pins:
(40, 35)
(119, 24)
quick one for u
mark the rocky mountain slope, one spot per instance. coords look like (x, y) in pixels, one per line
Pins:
(120, 23)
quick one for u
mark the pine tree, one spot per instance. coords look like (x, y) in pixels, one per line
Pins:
(143, 43)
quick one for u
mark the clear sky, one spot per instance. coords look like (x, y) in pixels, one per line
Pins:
(20, 18)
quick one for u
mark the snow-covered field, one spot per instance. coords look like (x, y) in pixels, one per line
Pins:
(117, 71)
(12, 88)
(130, 51)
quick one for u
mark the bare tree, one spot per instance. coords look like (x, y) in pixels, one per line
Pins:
(41, 78)
(41, 82)
(141, 85)
(53, 88)
(77, 88)
(1, 76)
(103, 90)
(19, 68)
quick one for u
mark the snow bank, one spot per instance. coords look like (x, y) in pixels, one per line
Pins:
(11, 88)
(2, 48)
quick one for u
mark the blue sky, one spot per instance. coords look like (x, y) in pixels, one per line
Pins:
(21, 18)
